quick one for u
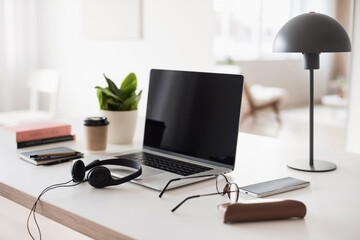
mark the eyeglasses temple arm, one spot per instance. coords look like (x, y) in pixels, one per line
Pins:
(164, 189)
(174, 209)
(195, 196)
(177, 179)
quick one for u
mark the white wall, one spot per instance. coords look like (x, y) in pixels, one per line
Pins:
(353, 128)
(177, 35)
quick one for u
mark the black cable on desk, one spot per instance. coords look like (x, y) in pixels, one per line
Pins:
(33, 209)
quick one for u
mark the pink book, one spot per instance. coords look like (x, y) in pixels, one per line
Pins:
(34, 131)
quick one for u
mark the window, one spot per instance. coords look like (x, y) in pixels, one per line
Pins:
(245, 30)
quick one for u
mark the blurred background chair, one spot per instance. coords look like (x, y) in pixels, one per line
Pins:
(256, 97)
(40, 82)
(260, 97)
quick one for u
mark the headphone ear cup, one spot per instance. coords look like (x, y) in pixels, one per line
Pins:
(99, 177)
(78, 171)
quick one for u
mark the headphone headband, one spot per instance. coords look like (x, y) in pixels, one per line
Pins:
(122, 162)
(100, 176)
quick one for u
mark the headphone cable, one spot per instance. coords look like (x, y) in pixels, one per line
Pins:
(33, 209)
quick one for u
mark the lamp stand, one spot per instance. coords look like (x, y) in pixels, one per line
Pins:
(311, 61)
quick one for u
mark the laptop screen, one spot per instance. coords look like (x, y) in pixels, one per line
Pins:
(194, 114)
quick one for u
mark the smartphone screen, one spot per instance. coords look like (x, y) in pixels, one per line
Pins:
(272, 187)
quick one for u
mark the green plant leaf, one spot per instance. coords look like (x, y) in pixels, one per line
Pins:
(123, 99)
(112, 86)
(115, 105)
(108, 92)
(101, 99)
(134, 105)
(131, 77)
(128, 91)
(132, 102)
(128, 102)
(128, 87)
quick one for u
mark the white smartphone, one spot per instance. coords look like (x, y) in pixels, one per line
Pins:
(273, 187)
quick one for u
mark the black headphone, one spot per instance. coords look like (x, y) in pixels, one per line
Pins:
(100, 176)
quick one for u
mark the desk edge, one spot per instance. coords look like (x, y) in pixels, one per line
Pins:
(66, 218)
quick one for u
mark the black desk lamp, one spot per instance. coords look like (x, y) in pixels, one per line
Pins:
(311, 34)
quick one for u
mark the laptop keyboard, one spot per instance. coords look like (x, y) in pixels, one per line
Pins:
(166, 164)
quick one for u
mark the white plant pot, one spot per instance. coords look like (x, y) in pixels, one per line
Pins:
(122, 126)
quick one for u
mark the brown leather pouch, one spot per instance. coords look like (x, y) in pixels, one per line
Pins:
(260, 211)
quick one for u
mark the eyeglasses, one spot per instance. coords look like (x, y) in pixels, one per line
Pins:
(223, 186)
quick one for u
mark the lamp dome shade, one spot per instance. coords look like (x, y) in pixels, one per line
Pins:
(312, 33)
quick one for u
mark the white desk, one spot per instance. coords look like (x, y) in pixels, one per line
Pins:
(131, 211)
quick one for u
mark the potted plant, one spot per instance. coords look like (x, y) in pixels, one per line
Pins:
(119, 106)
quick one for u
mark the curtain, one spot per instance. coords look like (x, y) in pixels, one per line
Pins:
(353, 126)
(18, 51)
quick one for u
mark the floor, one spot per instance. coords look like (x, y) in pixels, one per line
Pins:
(13, 224)
(329, 126)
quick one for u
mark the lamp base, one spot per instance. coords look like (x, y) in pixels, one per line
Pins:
(319, 166)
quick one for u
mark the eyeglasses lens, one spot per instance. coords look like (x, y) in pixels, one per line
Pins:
(234, 193)
(221, 184)
(224, 187)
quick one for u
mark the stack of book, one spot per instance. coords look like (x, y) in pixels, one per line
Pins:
(33, 134)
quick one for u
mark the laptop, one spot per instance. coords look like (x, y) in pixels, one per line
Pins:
(191, 127)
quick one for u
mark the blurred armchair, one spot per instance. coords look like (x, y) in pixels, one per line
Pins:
(260, 97)
(257, 97)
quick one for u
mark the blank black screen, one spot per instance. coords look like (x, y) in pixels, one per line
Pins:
(194, 113)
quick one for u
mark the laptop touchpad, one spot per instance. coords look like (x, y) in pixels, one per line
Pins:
(122, 172)
(146, 172)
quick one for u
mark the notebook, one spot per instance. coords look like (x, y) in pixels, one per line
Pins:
(37, 157)
(191, 127)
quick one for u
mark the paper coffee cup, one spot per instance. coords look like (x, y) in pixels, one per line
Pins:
(96, 129)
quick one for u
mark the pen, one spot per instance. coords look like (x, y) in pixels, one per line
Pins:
(56, 162)
(53, 154)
